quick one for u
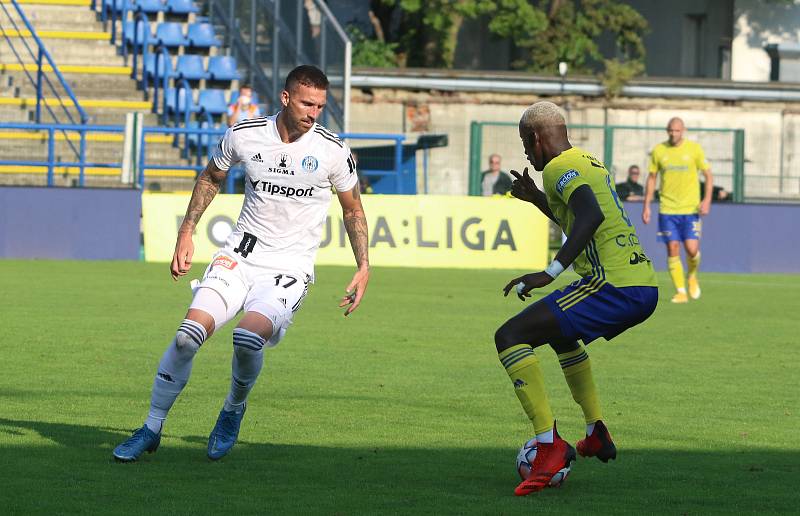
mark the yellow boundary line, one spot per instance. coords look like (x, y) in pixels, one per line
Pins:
(98, 103)
(75, 136)
(87, 69)
(82, 3)
(95, 171)
(56, 34)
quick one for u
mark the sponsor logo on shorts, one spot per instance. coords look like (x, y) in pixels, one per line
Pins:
(224, 261)
(217, 278)
(310, 164)
(568, 176)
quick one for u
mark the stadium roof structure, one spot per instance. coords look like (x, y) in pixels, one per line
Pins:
(524, 83)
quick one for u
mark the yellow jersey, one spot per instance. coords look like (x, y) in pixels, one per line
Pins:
(614, 254)
(678, 166)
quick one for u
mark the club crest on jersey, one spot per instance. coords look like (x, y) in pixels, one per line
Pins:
(568, 176)
(310, 164)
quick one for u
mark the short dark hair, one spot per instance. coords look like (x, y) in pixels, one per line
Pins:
(307, 75)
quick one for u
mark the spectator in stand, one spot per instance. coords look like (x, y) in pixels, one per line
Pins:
(494, 181)
(243, 108)
(631, 190)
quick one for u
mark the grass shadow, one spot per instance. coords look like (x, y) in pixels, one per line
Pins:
(75, 473)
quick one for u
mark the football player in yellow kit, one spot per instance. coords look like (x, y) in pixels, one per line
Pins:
(617, 289)
(677, 161)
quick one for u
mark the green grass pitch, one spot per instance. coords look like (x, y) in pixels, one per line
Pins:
(402, 408)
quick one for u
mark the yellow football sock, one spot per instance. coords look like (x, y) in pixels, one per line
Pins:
(578, 372)
(693, 262)
(522, 366)
(675, 267)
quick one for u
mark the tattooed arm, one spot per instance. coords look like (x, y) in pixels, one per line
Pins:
(206, 187)
(355, 223)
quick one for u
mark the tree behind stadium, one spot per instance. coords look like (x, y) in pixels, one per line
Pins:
(543, 32)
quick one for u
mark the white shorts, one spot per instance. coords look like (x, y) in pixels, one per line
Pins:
(274, 294)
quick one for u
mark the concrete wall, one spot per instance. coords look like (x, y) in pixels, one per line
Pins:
(756, 24)
(772, 133)
(70, 223)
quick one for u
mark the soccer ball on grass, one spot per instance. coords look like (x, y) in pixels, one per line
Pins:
(525, 459)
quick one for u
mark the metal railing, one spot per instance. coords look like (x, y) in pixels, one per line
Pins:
(273, 36)
(618, 146)
(202, 147)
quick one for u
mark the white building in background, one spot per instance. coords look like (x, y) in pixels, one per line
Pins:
(757, 25)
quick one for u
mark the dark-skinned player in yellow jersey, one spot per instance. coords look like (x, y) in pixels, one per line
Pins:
(617, 289)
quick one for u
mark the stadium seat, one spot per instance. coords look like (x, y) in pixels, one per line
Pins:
(203, 139)
(201, 35)
(223, 68)
(190, 67)
(182, 102)
(170, 34)
(181, 7)
(129, 33)
(115, 5)
(163, 65)
(149, 6)
(212, 102)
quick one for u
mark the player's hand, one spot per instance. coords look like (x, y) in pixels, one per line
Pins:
(355, 291)
(705, 207)
(646, 214)
(523, 187)
(182, 259)
(530, 282)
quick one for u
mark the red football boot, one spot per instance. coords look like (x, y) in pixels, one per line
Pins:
(599, 444)
(550, 467)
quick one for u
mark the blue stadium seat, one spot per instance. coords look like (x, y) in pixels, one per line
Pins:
(170, 34)
(201, 35)
(164, 66)
(203, 139)
(190, 67)
(140, 26)
(115, 5)
(223, 68)
(182, 102)
(149, 6)
(213, 102)
(181, 7)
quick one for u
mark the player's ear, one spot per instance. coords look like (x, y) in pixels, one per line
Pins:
(285, 98)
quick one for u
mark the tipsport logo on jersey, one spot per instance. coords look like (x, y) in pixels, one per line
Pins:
(404, 231)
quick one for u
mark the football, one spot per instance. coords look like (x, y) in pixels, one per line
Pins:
(525, 458)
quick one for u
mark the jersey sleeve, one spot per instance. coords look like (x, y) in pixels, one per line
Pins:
(562, 183)
(225, 154)
(700, 158)
(343, 173)
(652, 164)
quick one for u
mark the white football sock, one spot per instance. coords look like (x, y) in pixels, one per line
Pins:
(248, 358)
(173, 371)
(545, 437)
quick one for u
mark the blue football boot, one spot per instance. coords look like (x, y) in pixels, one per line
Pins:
(142, 440)
(225, 432)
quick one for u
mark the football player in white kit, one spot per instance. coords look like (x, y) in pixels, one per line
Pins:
(267, 263)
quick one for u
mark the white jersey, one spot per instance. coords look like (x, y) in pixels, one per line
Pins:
(287, 191)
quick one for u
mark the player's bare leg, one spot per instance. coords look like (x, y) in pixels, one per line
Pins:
(249, 338)
(675, 267)
(693, 261)
(172, 376)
